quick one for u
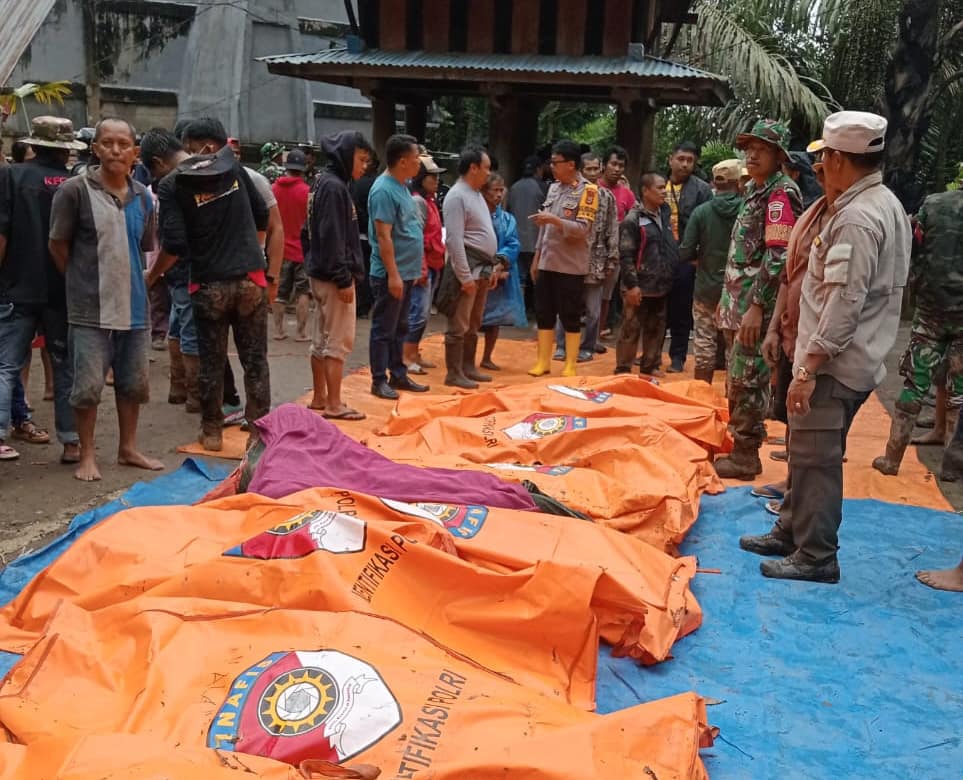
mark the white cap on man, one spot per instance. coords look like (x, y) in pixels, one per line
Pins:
(855, 132)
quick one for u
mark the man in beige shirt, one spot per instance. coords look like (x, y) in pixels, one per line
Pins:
(849, 316)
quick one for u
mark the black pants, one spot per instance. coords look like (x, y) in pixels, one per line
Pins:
(363, 287)
(679, 313)
(812, 510)
(241, 306)
(783, 380)
(525, 273)
(561, 296)
(648, 321)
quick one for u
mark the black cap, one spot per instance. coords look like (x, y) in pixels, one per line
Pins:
(296, 161)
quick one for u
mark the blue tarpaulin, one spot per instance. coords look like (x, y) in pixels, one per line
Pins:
(857, 680)
(863, 679)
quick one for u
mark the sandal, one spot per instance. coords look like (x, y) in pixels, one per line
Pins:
(768, 491)
(71, 457)
(30, 432)
(347, 414)
(8, 453)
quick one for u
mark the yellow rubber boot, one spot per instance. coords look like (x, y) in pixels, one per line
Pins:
(543, 365)
(572, 342)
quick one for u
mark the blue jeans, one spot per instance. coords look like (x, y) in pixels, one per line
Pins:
(18, 324)
(420, 309)
(389, 326)
(181, 326)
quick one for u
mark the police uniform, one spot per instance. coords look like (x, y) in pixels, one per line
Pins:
(937, 335)
(564, 255)
(757, 254)
(849, 316)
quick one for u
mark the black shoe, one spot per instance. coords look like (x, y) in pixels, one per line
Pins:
(601, 349)
(407, 383)
(793, 567)
(677, 367)
(384, 390)
(767, 544)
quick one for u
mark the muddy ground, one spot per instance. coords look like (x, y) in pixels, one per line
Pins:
(39, 497)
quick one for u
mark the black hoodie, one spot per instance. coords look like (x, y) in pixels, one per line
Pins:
(332, 251)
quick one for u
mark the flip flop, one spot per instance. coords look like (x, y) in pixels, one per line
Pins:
(280, 336)
(302, 339)
(8, 453)
(70, 460)
(768, 491)
(347, 414)
(773, 507)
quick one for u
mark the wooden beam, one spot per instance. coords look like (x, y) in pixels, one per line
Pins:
(383, 121)
(392, 25)
(481, 33)
(524, 26)
(633, 132)
(416, 120)
(570, 29)
(437, 20)
(513, 132)
(618, 28)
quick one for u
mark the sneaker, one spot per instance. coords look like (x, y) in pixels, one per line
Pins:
(559, 354)
(585, 356)
(233, 415)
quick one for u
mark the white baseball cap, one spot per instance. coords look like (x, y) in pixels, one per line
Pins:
(856, 132)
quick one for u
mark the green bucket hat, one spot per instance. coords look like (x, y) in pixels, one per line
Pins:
(55, 132)
(772, 131)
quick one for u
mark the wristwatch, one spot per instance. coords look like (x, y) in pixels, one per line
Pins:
(803, 375)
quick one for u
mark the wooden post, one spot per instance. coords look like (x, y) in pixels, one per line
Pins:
(383, 121)
(634, 131)
(416, 120)
(570, 32)
(436, 21)
(525, 26)
(393, 25)
(93, 100)
(481, 39)
(513, 128)
(618, 28)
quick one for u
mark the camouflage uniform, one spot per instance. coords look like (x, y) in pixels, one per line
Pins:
(757, 255)
(269, 169)
(936, 278)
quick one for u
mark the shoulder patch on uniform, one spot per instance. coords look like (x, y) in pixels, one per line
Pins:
(779, 219)
(589, 204)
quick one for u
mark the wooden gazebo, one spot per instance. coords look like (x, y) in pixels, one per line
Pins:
(519, 54)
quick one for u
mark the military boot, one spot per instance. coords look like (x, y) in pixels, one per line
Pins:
(952, 468)
(178, 391)
(705, 374)
(900, 432)
(742, 463)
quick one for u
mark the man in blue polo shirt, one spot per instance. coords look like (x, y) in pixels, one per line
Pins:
(100, 226)
(397, 247)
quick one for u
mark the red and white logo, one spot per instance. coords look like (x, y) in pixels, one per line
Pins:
(293, 706)
(303, 534)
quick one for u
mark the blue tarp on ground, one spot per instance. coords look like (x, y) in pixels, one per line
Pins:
(858, 680)
(189, 483)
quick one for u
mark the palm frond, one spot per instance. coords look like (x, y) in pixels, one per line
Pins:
(44, 93)
(722, 42)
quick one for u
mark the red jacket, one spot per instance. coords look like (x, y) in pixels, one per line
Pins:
(434, 246)
(292, 196)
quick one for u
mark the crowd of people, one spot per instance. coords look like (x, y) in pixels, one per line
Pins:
(788, 266)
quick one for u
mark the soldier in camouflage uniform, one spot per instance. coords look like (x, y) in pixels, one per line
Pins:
(757, 254)
(936, 278)
(271, 167)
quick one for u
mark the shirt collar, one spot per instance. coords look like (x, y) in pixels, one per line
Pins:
(872, 180)
(96, 180)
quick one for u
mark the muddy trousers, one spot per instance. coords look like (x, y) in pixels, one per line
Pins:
(812, 509)
(241, 306)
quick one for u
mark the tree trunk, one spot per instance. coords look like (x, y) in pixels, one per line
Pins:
(908, 97)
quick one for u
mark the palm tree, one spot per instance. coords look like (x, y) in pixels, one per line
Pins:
(45, 94)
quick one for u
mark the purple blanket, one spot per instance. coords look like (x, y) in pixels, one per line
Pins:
(303, 450)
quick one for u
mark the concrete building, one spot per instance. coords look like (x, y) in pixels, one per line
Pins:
(153, 62)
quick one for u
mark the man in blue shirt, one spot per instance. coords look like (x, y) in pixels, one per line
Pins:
(397, 247)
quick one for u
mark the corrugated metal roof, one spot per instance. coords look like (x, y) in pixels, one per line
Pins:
(21, 20)
(646, 67)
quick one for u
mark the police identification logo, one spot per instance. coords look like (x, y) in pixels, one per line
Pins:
(538, 425)
(303, 534)
(595, 396)
(294, 706)
(461, 521)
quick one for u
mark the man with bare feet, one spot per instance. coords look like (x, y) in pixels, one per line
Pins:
(334, 265)
(100, 226)
(943, 579)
